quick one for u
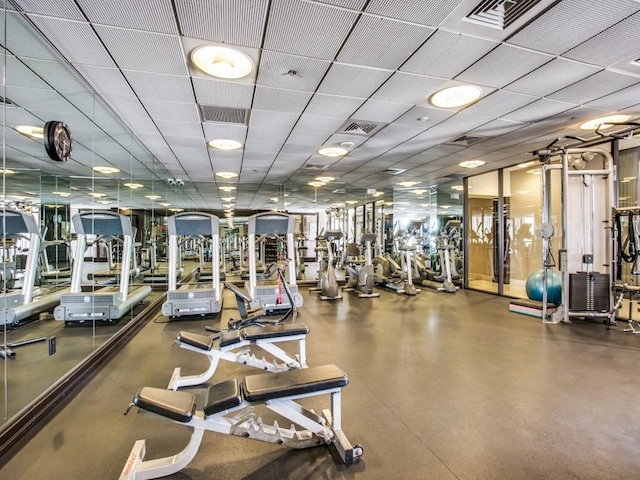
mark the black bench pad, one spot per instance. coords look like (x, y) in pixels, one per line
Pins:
(222, 396)
(178, 406)
(274, 331)
(267, 386)
(203, 342)
(523, 302)
(230, 337)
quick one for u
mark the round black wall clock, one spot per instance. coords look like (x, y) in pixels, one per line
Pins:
(57, 141)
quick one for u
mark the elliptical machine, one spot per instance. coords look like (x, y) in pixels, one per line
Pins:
(447, 259)
(359, 274)
(327, 280)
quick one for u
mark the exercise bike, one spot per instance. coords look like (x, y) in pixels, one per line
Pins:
(327, 281)
(359, 273)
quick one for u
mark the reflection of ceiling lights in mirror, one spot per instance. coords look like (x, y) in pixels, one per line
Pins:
(222, 62)
(419, 192)
(627, 179)
(228, 205)
(425, 205)
(97, 195)
(227, 189)
(445, 206)
(228, 199)
(457, 96)
(535, 171)
(164, 204)
(325, 179)
(378, 194)
(525, 164)
(333, 151)
(104, 202)
(176, 210)
(458, 188)
(124, 208)
(226, 175)
(316, 184)
(604, 122)
(133, 185)
(225, 144)
(104, 169)
(472, 163)
(351, 202)
(31, 131)
(6, 171)
(407, 184)
(153, 197)
(62, 194)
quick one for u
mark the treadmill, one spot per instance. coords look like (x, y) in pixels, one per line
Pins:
(17, 305)
(193, 299)
(267, 293)
(108, 304)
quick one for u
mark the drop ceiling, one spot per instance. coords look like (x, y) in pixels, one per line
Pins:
(118, 73)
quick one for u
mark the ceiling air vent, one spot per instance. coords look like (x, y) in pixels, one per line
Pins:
(360, 127)
(394, 171)
(311, 166)
(339, 191)
(465, 141)
(499, 14)
(212, 113)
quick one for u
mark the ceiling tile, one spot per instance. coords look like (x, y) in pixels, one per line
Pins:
(222, 94)
(168, 127)
(321, 125)
(407, 88)
(377, 111)
(332, 105)
(352, 4)
(154, 86)
(417, 11)
(499, 103)
(150, 15)
(382, 43)
(617, 101)
(106, 81)
(279, 100)
(172, 111)
(290, 72)
(490, 69)
(66, 9)
(424, 117)
(362, 82)
(537, 111)
(221, 130)
(593, 87)
(265, 120)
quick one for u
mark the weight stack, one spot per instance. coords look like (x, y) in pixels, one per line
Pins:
(589, 292)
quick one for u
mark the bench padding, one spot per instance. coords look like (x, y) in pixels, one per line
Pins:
(230, 337)
(203, 342)
(178, 406)
(222, 396)
(274, 331)
(267, 386)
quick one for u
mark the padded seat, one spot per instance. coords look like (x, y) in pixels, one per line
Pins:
(274, 331)
(524, 302)
(178, 406)
(203, 342)
(222, 396)
(267, 386)
(230, 337)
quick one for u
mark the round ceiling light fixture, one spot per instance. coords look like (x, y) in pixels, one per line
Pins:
(525, 164)
(325, 179)
(457, 96)
(604, 122)
(458, 188)
(224, 144)
(227, 188)
(97, 195)
(333, 151)
(407, 184)
(62, 194)
(153, 197)
(472, 163)
(222, 62)
(317, 184)
(6, 171)
(133, 186)
(226, 175)
(105, 169)
(419, 192)
(164, 204)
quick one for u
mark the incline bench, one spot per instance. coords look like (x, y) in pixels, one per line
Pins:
(228, 409)
(228, 343)
(248, 315)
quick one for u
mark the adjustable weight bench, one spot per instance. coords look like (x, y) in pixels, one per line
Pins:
(248, 316)
(229, 409)
(228, 343)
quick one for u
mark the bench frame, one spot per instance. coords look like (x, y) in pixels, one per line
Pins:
(325, 429)
(243, 356)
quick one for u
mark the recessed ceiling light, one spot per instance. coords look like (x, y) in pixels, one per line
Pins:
(164, 204)
(325, 179)
(445, 206)
(351, 202)
(604, 122)
(457, 96)
(408, 184)
(124, 208)
(176, 209)
(222, 62)
(378, 194)
(424, 205)
(31, 131)
(153, 197)
(97, 195)
(103, 169)
(316, 184)
(471, 163)
(226, 175)
(535, 171)
(6, 170)
(525, 164)
(225, 144)
(459, 188)
(133, 185)
(104, 202)
(333, 151)
(228, 205)
(419, 192)
(54, 206)
(62, 194)
(227, 189)
(228, 199)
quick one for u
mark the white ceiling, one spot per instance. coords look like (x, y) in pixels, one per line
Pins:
(375, 61)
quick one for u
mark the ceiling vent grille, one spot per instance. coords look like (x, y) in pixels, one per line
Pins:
(312, 166)
(499, 14)
(339, 191)
(394, 171)
(361, 127)
(212, 113)
(465, 141)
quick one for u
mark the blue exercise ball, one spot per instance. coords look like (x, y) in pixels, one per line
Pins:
(554, 286)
